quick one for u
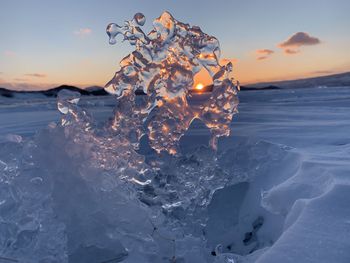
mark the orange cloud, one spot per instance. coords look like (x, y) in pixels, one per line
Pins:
(291, 51)
(264, 53)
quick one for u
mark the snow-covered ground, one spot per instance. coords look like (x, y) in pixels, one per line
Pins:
(289, 148)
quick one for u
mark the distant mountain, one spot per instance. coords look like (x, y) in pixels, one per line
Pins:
(53, 92)
(335, 80)
(259, 88)
(6, 93)
(94, 90)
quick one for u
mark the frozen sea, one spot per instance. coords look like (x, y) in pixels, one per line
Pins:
(296, 206)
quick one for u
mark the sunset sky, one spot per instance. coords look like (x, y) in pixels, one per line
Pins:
(49, 43)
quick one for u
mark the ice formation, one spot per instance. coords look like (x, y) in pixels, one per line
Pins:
(101, 200)
(163, 65)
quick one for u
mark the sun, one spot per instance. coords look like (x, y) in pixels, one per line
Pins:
(199, 86)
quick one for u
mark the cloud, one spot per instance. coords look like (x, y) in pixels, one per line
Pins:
(300, 39)
(323, 72)
(21, 79)
(263, 53)
(82, 32)
(290, 51)
(292, 44)
(10, 53)
(36, 75)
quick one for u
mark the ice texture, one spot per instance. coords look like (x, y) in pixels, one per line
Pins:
(167, 183)
(79, 209)
(163, 66)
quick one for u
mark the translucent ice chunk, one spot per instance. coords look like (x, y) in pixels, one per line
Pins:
(66, 97)
(163, 65)
(113, 30)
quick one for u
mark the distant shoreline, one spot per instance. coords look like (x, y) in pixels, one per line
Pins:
(342, 79)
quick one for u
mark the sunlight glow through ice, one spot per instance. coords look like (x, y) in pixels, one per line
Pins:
(163, 65)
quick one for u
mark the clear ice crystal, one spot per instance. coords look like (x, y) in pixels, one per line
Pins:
(163, 66)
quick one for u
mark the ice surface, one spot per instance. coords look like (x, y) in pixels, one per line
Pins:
(279, 203)
(102, 216)
(318, 233)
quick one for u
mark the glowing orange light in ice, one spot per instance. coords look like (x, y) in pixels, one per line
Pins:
(165, 129)
(199, 86)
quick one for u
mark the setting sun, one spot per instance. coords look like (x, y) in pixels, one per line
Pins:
(199, 86)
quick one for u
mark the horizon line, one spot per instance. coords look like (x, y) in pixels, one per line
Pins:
(85, 86)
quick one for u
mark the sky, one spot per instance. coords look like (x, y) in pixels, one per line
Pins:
(48, 43)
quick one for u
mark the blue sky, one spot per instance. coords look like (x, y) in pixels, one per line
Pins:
(47, 43)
